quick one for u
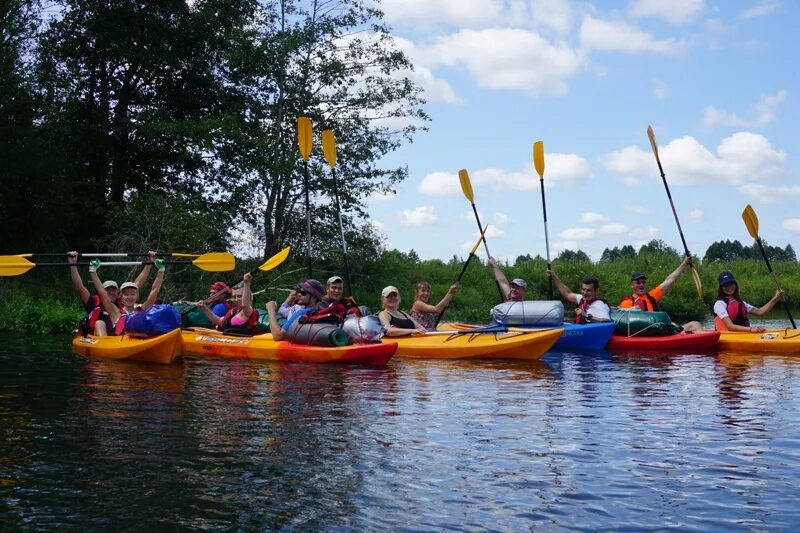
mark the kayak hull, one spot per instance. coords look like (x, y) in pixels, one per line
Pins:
(162, 349)
(215, 344)
(519, 345)
(578, 337)
(699, 341)
(771, 341)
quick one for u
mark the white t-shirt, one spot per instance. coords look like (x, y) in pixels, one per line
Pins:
(598, 309)
(721, 308)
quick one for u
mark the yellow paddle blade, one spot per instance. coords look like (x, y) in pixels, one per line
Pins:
(652, 136)
(466, 186)
(697, 284)
(329, 147)
(276, 259)
(480, 238)
(751, 221)
(304, 136)
(14, 265)
(538, 158)
(215, 262)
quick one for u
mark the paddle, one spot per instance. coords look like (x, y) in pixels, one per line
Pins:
(329, 149)
(461, 275)
(305, 141)
(538, 162)
(466, 187)
(109, 254)
(652, 136)
(751, 221)
(15, 265)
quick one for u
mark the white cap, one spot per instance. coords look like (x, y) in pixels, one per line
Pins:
(333, 279)
(389, 290)
(129, 284)
(110, 283)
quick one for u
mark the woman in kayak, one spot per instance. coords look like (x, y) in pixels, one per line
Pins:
(425, 313)
(731, 311)
(396, 322)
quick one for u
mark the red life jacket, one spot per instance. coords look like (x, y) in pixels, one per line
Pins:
(248, 327)
(584, 306)
(737, 311)
(648, 303)
(333, 314)
(94, 314)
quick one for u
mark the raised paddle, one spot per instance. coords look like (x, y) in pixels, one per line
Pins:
(538, 162)
(305, 142)
(652, 136)
(15, 265)
(110, 254)
(751, 221)
(329, 149)
(461, 275)
(466, 188)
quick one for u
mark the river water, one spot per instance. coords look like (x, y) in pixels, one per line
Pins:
(573, 442)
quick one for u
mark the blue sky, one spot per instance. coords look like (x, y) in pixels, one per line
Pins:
(717, 81)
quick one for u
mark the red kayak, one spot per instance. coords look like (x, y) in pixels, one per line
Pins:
(698, 341)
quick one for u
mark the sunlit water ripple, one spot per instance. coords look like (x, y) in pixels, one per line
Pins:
(576, 442)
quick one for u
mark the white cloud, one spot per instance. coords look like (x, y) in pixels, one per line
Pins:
(508, 58)
(491, 232)
(380, 196)
(619, 36)
(554, 14)
(660, 89)
(577, 234)
(560, 246)
(792, 224)
(764, 112)
(673, 11)
(421, 216)
(743, 157)
(629, 181)
(450, 12)
(435, 89)
(501, 219)
(591, 218)
(767, 194)
(638, 209)
(765, 7)
(645, 234)
(440, 184)
(695, 215)
(613, 228)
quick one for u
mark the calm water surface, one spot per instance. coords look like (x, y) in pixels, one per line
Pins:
(575, 442)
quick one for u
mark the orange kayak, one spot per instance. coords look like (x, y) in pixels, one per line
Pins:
(162, 349)
(466, 344)
(211, 343)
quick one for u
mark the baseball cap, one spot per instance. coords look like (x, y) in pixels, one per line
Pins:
(726, 277)
(313, 287)
(219, 286)
(128, 285)
(638, 275)
(110, 283)
(519, 282)
(389, 289)
(334, 279)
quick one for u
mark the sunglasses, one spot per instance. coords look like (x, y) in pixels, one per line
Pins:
(302, 292)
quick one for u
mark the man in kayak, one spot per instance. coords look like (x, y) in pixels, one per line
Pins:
(307, 300)
(648, 300)
(590, 307)
(732, 311)
(514, 290)
(334, 290)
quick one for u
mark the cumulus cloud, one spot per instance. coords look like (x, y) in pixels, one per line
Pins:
(449, 12)
(556, 15)
(507, 58)
(560, 246)
(619, 36)
(792, 224)
(577, 234)
(421, 216)
(673, 11)
(435, 89)
(613, 228)
(492, 231)
(765, 7)
(592, 218)
(763, 113)
(638, 209)
(769, 194)
(501, 219)
(440, 184)
(645, 234)
(695, 215)
(744, 157)
(381, 196)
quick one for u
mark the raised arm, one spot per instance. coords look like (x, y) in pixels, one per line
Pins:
(277, 332)
(563, 289)
(156, 288)
(422, 307)
(500, 277)
(105, 301)
(767, 307)
(77, 282)
(141, 279)
(672, 278)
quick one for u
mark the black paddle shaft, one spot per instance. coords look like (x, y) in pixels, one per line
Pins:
(769, 267)
(461, 275)
(341, 231)
(486, 247)
(674, 213)
(308, 221)
(546, 240)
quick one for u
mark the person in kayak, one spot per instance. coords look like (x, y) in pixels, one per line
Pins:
(396, 322)
(334, 291)
(307, 300)
(217, 301)
(590, 307)
(514, 290)
(128, 296)
(425, 313)
(648, 300)
(241, 317)
(732, 311)
(91, 302)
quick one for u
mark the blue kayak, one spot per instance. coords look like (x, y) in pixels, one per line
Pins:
(592, 336)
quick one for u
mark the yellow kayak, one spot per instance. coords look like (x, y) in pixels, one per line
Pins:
(162, 349)
(774, 341)
(466, 344)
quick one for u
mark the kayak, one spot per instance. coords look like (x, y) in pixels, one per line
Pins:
(592, 336)
(478, 344)
(215, 344)
(774, 340)
(161, 349)
(698, 341)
